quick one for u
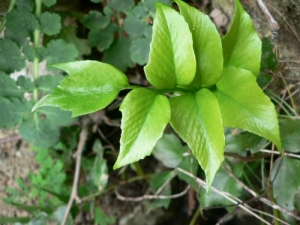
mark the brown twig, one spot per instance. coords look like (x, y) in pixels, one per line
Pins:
(141, 198)
(9, 139)
(246, 159)
(262, 199)
(273, 23)
(74, 194)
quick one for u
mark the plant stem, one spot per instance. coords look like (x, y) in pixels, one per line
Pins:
(11, 6)
(276, 213)
(195, 217)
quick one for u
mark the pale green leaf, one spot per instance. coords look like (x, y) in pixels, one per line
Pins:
(171, 61)
(118, 54)
(139, 50)
(145, 116)
(10, 57)
(169, 151)
(285, 182)
(242, 45)
(197, 120)
(207, 45)
(91, 86)
(244, 105)
(50, 23)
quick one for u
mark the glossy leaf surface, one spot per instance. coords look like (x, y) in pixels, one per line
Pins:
(242, 45)
(197, 120)
(145, 116)
(244, 105)
(91, 86)
(207, 45)
(171, 60)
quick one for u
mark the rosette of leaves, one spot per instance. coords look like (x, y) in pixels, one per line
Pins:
(213, 81)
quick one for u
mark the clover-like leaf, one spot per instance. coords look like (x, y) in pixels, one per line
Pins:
(242, 45)
(121, 6)
(145, 116)
(50, 23)
(197, 120)
(49, 3)
(95, 20)
(244, 105)
(207, 45)
(91, 86)
(172, 60)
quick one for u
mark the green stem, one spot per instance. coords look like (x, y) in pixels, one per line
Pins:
(276, 213)
(11, 6)
(140, 171)
(195, 217)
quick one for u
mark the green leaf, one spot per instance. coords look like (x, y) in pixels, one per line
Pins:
(171, 61)
(222, 182)
(118, 54)
(50, 23)
(22, 22)
(189, 164)
(27, 4)
(47, 83)
(68, 34)
(91, 86)
(169, 151)
(207, 45)
(242, 45)
(41, 134)
(197, 120)
(244, 105)
(9, 88)
(10, 220)
(268, 58)
(10, 57)
(290, 135)
(57, 117)
(29, 52)
(12, 111)
(96, 1)
(134, 26)
(101, 218)
(143, 126)
(139, 50)
(102, 39)
(59, 213)
(25, 84)
(20, 41)
(95, 20)
(121, 6)
(49, 3)
(59, 52)
(149, 5)
(286, 182)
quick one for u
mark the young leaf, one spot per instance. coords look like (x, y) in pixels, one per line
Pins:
(244, 105)
(145, 116)
(50, 23)
(241, 45)
(91, 86)
(10, 57)
(172, 60)
(207, 45)
(197, 120)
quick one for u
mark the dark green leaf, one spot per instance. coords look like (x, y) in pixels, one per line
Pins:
(139, 50)
(9, 88)
(69, 35)
(91, 86)
(222, 182)
(118, 54)
(50, 23)
(244, 105)
(47, 83)
(10, 57)
(25, 84)
(149, 5)
(95, 20)
(242, 45)
(96, 1)
(172, 60)
(7, 220)
(143, 126)
(263, 80)
(21, 23)
(30, 208)
(41, 134)
(121, 6)
(59, 213)
(159, 179)
(27, 4)
(290, 134)
(268, 57)
(102, 39)
(207, 46)
(57, 117)
(134, 26)
(197, 120)
(12, 111)
(29, 52)
(189, 164)
(49, 3)
(101, 218)
(286, 182)
(59, 52)
(20, 41)
(169, 151)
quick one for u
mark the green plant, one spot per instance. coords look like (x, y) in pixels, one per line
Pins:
(212, 82)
